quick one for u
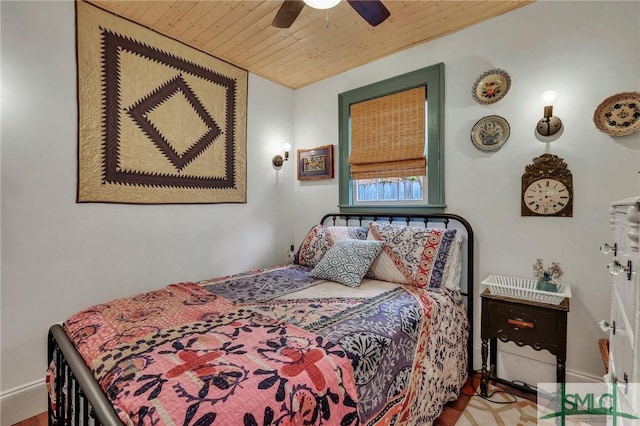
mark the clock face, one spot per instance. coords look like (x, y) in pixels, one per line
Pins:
(546, 196)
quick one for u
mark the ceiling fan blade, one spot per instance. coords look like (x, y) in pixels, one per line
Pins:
(287, 13)
(373, 11)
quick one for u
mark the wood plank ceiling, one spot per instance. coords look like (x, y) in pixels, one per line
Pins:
(318, 45)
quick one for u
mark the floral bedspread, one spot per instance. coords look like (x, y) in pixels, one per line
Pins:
(182, 355)
(262, 348)
(407, 345)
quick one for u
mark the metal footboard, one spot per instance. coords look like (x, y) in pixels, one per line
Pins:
(82, 402)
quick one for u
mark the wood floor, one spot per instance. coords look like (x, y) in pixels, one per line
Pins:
(453, 410)
(39, 420)
(449, 416)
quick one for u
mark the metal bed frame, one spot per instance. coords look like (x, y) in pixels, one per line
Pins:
(86, 404)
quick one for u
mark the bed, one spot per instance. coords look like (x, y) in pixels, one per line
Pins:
(371, 325)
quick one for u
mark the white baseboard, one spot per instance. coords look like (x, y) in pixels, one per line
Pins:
(538, 367)
(578, 377)
(23, 402)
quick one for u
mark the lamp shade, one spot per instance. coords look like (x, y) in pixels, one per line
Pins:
(322, 4)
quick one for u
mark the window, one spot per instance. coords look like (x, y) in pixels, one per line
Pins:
(393, 192)
(405, 190)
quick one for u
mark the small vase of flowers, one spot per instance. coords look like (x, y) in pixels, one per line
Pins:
(548, 278)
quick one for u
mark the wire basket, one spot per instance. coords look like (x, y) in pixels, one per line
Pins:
(524, 288)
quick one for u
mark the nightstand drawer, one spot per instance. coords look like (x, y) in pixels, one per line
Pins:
(521, 324)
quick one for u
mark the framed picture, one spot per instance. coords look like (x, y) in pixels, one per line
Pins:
(315, 163)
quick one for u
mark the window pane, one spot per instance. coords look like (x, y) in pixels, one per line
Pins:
(410, 188)
(390, 189)
(366, 190)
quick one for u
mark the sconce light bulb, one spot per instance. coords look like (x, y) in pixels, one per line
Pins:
(286, 146)
(549, 97)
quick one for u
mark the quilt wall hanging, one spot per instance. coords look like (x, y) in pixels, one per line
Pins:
(159, 122)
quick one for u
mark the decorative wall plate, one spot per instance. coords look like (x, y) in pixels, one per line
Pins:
(491, 86)
(490, 133)
(619, 115)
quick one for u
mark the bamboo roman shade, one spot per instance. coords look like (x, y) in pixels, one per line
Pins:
(388, 136)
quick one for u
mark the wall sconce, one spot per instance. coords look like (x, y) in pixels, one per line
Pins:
(277, 160)
(550, 124)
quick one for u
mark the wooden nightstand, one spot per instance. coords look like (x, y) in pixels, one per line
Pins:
(524, 322)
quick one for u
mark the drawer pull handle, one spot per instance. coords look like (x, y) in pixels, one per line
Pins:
(520, 323)
(608, 326)
(606, 249)
(616, 267)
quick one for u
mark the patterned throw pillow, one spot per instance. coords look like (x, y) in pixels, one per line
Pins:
(320, 238)
(411, 255)
(347, 261)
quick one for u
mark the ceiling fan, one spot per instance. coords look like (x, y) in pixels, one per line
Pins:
(373, 11)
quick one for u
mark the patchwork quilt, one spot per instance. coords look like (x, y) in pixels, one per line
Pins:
(277, 347)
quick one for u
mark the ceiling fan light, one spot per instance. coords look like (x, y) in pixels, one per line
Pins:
(322, 4)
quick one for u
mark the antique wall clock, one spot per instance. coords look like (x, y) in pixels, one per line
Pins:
(547, 188)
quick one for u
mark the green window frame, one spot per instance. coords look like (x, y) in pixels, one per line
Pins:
(433, 78)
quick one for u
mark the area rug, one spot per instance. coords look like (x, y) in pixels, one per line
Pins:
(507, 410)
(158, 121)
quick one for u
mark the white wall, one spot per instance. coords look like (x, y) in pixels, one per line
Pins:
(59, 256)
(586, 51)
